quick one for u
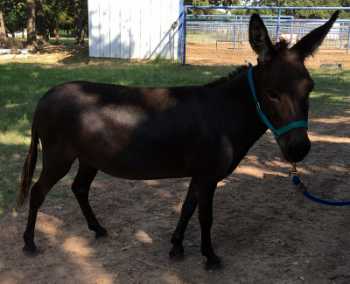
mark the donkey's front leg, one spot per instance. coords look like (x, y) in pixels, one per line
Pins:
(188, 208)
(205, 206)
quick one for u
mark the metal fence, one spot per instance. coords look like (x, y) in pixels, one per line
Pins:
(234, 29)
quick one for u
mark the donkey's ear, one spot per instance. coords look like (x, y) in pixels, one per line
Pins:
(309, 43)
(259, 38)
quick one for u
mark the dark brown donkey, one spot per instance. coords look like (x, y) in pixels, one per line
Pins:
(202, 132)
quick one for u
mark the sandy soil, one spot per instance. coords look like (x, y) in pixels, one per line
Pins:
(264, 230)
(197, 54)
(224, 54)
(50, 55)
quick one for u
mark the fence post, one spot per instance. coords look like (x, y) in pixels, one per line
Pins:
(291, 31)
(183, 35)
(234, 32)
(348, 47)
(278, 25)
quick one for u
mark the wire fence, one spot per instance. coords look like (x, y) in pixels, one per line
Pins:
(217, 29)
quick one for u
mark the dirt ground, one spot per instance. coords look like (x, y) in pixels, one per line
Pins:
(264, 230)
(225, 54)
(196, 54)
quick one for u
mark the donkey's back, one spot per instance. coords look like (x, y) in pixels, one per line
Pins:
(130, 132)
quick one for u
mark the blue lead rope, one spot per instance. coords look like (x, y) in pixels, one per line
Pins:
(301, 187)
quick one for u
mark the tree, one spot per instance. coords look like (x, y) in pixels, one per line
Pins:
(14, 14)
(303, 13)
(224, 2)
(200, 2)
(41, 24)
(45, 18)
(31, 27)
(3, 33)
(81, 20)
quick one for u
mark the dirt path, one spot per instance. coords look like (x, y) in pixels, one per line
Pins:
(224, 54)
(263, 230)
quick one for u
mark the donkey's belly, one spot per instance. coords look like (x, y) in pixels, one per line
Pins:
(145, 174)
(149, 164)
(141, 157)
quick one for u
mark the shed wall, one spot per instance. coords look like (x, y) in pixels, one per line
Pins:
(138, 29)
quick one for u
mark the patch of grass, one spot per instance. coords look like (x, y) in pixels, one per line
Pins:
(21, 86)
(332, 92)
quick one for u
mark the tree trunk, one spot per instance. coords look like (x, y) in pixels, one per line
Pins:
(56, 34)
(41, 26)
(31, 30)
(80, 20)
(3, 34)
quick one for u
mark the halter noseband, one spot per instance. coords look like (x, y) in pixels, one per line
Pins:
(276, 131)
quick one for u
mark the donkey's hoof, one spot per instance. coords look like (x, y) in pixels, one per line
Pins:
(213, 263)
(101, 233)
(177, 253)
(30, 250)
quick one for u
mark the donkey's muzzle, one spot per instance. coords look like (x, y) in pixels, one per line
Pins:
(295, 145)
(298, 151)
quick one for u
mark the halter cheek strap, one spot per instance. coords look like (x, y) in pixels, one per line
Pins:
(276, 131)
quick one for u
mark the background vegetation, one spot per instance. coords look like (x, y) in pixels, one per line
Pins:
(43, 19)
(295, 13)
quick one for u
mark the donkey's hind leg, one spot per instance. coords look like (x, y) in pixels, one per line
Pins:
(81, 188)
(53, 170)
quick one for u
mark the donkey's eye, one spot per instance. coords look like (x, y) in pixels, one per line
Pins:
(273, 95)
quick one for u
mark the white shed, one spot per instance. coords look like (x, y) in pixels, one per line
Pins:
(135, 29)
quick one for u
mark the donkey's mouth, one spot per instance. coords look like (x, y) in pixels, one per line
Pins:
(297, 154)
(295, 147)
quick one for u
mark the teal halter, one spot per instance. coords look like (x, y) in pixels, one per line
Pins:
(276, 131)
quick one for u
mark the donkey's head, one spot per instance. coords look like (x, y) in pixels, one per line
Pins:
(283, 83)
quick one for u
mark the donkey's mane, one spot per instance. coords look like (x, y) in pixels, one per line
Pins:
(232, 76)
(281, 45)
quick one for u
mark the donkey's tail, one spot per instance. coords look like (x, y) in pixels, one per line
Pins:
(28, 167)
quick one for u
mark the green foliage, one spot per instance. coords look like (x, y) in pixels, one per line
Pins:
(224, 2)
(51, 15)
(309, 3)
(57, 14)
(212, 2)
(296, 13)
(14, 14)
(200, 2)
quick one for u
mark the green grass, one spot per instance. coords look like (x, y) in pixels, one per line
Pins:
(21, 86)
(202, 37)
(332, 92)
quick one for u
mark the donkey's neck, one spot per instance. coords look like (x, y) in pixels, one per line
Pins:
(238, 115)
